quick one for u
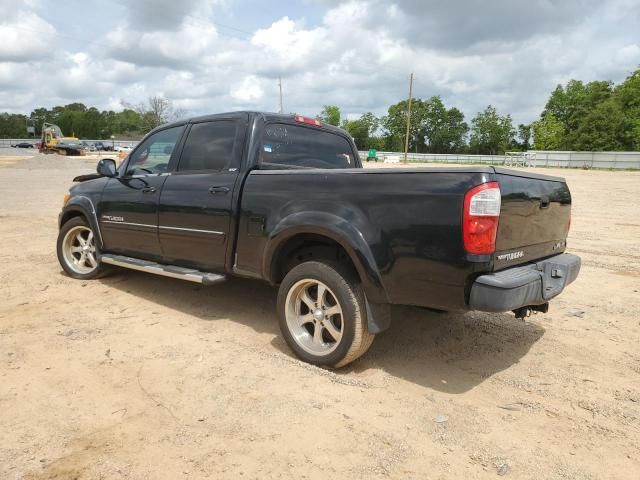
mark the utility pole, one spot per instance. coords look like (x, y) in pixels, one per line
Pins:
(406, 140)
(280, 85)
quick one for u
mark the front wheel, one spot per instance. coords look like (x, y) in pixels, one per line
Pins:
(322, 314)
(77, 252)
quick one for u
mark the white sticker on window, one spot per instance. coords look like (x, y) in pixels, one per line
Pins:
(267, 148)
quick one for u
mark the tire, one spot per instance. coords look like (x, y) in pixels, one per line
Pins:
(79, 260)
(330, 331)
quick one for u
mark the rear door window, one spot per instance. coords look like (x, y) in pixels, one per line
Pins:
(209, 146)
(293, 146)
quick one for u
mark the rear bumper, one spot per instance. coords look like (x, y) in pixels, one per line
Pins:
(522, 286)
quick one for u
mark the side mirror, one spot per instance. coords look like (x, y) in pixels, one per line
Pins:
(107, 167)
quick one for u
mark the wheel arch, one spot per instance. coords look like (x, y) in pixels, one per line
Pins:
(70, 213)
(308, 230)
(80, 206)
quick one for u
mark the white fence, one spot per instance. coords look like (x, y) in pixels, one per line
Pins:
(532, 158)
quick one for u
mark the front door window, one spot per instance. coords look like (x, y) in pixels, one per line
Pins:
(153, 155)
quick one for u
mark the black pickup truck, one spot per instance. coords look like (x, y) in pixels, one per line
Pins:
(284, 198)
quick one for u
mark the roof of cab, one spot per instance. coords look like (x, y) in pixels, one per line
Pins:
(267, 116)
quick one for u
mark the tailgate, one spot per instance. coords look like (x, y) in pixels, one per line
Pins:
(534, 217)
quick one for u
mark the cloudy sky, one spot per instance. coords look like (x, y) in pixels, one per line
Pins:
(218, 55)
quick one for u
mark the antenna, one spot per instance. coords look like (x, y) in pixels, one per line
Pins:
(280, 86)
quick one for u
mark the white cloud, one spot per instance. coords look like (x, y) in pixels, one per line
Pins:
(192, 40)
(164, 15)
(358, 55)
(248, 91)
(25, 36)
(287, 42)
(629, 54)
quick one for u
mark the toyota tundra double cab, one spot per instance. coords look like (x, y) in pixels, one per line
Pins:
(284, 199)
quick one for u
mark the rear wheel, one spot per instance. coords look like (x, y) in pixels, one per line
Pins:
(77, 251)
(322, 314)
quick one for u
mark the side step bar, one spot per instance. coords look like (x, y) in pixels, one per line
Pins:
(172, 271)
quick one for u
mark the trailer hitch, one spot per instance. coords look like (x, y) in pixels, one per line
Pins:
(527, 311)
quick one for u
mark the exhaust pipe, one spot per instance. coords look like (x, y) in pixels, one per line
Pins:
(523, 312)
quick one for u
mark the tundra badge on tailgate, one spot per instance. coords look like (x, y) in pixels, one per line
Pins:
(511, 256)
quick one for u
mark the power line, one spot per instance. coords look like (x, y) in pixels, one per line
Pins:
(232, 28)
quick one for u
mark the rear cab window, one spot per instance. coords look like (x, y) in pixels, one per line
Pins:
(286, 146)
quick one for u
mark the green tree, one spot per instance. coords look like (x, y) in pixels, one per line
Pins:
(524, 135)
(491, 133)
(633, 136)
(358, 130)
(13, 125)
(547, 133)
(330, 114)
(128, 122)
(603, 129)
(627, 96)
(444, 130)
(362, 129)
(372, 122)
(595, 115)
(572, 104)
(434, 128)
(395, 124)
(154, 112)
(40, 116)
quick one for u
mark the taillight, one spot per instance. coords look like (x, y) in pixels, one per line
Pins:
(480, 218)
(307, 120)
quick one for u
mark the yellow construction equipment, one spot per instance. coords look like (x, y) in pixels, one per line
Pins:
(53, 141)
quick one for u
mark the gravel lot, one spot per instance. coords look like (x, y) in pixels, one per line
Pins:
(142, 377)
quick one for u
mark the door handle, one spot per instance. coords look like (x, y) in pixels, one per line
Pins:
(218, 190)
(149, 190)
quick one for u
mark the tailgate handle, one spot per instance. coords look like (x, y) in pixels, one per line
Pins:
(544, 202)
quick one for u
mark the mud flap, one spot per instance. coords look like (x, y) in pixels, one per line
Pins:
(378, 317)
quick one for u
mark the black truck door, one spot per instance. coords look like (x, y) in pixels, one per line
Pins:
(196, 201)
(128, 210)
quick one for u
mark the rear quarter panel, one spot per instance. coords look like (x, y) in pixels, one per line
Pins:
(410, 221)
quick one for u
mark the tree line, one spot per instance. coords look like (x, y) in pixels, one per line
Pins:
(594, 116)
(90, 123)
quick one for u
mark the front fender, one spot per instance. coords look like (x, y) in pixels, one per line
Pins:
(341, 231)
(83, 205)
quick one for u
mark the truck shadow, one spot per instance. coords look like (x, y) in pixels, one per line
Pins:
(448, 352)
(249, 302)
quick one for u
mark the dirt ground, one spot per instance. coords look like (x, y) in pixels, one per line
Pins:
(142, 377)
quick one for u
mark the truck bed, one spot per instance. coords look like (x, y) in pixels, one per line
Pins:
(408, 220)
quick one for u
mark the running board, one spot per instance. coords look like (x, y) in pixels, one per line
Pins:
(172, 271)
